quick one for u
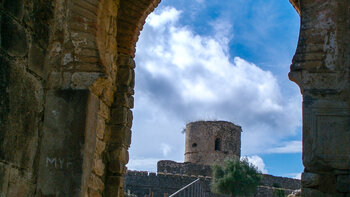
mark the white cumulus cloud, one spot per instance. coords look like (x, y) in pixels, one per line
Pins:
(258, 162)
(287, 147)
(182, 76)
(170, 15)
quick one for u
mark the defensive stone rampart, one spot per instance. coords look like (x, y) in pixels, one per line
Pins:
(172, 167)
(141, 183)
(157, 184)
(168, 166)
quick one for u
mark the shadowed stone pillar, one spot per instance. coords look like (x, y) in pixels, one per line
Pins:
(321, 69)
(68, 142)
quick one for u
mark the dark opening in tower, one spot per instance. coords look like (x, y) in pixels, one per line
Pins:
(218, 144)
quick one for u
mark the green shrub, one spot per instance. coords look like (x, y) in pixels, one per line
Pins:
(235, 177)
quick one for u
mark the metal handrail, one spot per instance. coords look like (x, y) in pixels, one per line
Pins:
(182, 189)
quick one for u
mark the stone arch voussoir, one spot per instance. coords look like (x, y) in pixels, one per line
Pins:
(131, 18)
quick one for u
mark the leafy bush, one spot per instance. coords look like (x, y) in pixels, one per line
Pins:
(235, 177)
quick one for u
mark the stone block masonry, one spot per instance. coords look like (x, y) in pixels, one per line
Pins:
(144, 183)
(209, 142)
(172, 176)
(189, 169)
(168, 166)
(89, 45)
(24, 35)
(141, 183)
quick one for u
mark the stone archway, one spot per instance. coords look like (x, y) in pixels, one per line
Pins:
(321, 69)
(96, 58)
(67, 80)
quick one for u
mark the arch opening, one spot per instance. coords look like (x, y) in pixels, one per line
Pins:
(70, 66)
(159, 73)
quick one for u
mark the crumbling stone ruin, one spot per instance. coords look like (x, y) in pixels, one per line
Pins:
(208, 142)
(74, 59)
(172, 176)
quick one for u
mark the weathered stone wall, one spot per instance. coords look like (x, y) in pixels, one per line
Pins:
(172, 167)
(282, 182)
(24, 35)
(161, 184)
(130, 20)
(167, 166)
(56, 91)
(65, 115)
(50, 48)
(144, 183)
(208, 142)
(321, 69)
(264, 191)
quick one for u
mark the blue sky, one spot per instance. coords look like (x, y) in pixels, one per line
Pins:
(218, 60)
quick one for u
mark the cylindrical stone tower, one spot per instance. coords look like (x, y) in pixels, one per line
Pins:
(208, 142)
